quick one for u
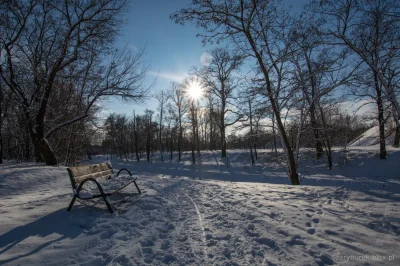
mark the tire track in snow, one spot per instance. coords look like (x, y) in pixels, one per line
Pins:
(200, 219)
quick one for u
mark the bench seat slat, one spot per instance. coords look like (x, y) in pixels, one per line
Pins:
(104, 174)
(88, 169)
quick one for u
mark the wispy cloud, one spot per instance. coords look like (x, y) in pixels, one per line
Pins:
(168, 76)
(205, 59)
(132, 48)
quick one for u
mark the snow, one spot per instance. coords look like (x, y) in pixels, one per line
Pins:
(371, 137)
(208, 214)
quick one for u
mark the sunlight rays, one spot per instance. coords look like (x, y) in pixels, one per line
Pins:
(194, 90)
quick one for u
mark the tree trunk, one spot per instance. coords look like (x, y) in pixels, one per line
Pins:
(194, 130)
(136, 138)
(274, 135)
(42, 148)
(382, 144)
(45, 151)
(330, 165)
(1, 125)
(397, 137)
(171, 146)
(27, 150)
(326, 141)
(148, 142)
(328, 152)
(314, 125)
(197, 138)
(26, 143)
(223, 143)
(160, 133)
(1, 147)
(251, 156)
(222, 129)
(193, 156)
(381, 118)
(251, 134)
(397, 132)
(180, 141)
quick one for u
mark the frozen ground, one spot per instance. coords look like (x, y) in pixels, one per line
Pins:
(208, 214)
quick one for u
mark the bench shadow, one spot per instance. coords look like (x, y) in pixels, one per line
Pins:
(63, 224)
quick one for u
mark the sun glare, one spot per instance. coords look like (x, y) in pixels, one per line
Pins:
(194, 90)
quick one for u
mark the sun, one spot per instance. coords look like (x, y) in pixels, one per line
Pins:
(194, 90)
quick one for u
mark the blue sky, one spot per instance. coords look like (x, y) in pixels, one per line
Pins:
(171, 49)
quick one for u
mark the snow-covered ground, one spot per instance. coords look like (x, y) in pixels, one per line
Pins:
(371, 137)
(209, 214)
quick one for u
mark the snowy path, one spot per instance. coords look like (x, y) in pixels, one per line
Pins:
(183, 219)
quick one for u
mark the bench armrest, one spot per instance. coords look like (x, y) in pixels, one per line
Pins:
(76, 192)
(124, 169)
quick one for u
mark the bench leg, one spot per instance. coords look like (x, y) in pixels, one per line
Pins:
(137, 187)
(108, 204)
(102, 194)
(72, 203)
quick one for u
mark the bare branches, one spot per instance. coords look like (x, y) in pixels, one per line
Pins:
(51, 44)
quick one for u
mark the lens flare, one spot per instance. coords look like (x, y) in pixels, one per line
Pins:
(194, 90)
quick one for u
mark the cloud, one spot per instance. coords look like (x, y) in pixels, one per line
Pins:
(132, 48)
(205, 59)
(168, 76)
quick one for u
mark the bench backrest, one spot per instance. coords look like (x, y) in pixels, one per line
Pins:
(79, 173)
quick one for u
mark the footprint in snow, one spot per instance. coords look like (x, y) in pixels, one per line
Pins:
(282, 232)
(123, 237)
(311, 231)
(296, 240)
(322, 245)
(331, 233)
(252, 234)
(267, 241)
(250, 226)
(147, 243)
(326, 260)
(250, 217)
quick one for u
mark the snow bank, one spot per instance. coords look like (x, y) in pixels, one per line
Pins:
(370, 138)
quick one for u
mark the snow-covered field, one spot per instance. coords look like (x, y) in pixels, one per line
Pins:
(209, 214)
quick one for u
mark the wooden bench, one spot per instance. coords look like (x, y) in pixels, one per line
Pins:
(79, 175)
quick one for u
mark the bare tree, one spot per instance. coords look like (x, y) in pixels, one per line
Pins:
(193, 118)
(162, 99)
(47, 43)
(219, 79)
(179, 107)
(319, 70)
(259, 28)
(369, 29)
(136, 135)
